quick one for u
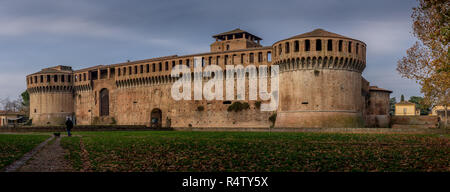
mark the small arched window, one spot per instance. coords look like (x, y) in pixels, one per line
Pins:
(318, 45)
(228, 47)
(287, 47)
(330, 45)
(296, 46)
(357, 48)
(307, 45)
(349, 46)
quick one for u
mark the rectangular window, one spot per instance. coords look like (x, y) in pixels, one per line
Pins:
(242, 58)
(269, 56)
(287, 47)
(69, 78)
(55, 78)
(159, 66)
(340, 45)
(148, 68)
(251, 58)
(142, 69)
(187, 62)
(135, 70)
(296, 46)
(42, 78)
(63, 78)
(260, 58)
(118, 72)
(129, 71)
(167, 65)
(153, 67)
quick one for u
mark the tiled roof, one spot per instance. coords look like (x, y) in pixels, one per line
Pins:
(375, 88)
(236, 31)
(319, 33)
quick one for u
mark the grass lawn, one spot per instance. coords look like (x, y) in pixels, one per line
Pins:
(14, 146)
(247, 151)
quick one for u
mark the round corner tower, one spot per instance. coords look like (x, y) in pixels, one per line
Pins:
(51, 95)
(320, 80)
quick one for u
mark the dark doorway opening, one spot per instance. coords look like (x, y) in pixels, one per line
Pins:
(156, 118)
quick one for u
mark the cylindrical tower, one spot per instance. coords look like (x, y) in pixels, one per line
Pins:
(51, 95)
(320, 80)
(378, 107)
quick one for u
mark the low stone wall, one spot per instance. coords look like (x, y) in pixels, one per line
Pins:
(324, 130)
(79, 128)
(415, 122)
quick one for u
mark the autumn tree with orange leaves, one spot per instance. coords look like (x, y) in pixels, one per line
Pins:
(427, 61)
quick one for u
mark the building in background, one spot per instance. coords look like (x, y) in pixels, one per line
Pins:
(8, 118)
(405, 108)
(440, 112)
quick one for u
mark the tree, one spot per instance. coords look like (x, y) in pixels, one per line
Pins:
(25, 102)
(420, 104)
(11, 106)
(427, 61)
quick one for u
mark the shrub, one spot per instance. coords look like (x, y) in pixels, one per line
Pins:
(258, 104)
(273, 118)
(29, 122)
(238, 106)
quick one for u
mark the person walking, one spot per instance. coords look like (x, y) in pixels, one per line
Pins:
(69, 126)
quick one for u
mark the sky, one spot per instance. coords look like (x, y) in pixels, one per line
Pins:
(84, 33)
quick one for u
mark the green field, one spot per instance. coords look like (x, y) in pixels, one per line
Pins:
(14, 146)
(244, 151)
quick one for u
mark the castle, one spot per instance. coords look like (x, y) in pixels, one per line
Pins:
(320, 85)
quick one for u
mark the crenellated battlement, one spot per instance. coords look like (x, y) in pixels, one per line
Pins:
(320, 49)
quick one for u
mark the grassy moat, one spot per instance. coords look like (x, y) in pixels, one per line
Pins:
(255, 151)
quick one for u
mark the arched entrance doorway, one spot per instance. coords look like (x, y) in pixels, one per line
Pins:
(104, 102)
(156, 118)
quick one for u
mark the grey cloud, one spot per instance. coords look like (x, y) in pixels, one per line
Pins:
(83, 33)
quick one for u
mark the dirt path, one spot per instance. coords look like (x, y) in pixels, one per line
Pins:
(49, 159)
